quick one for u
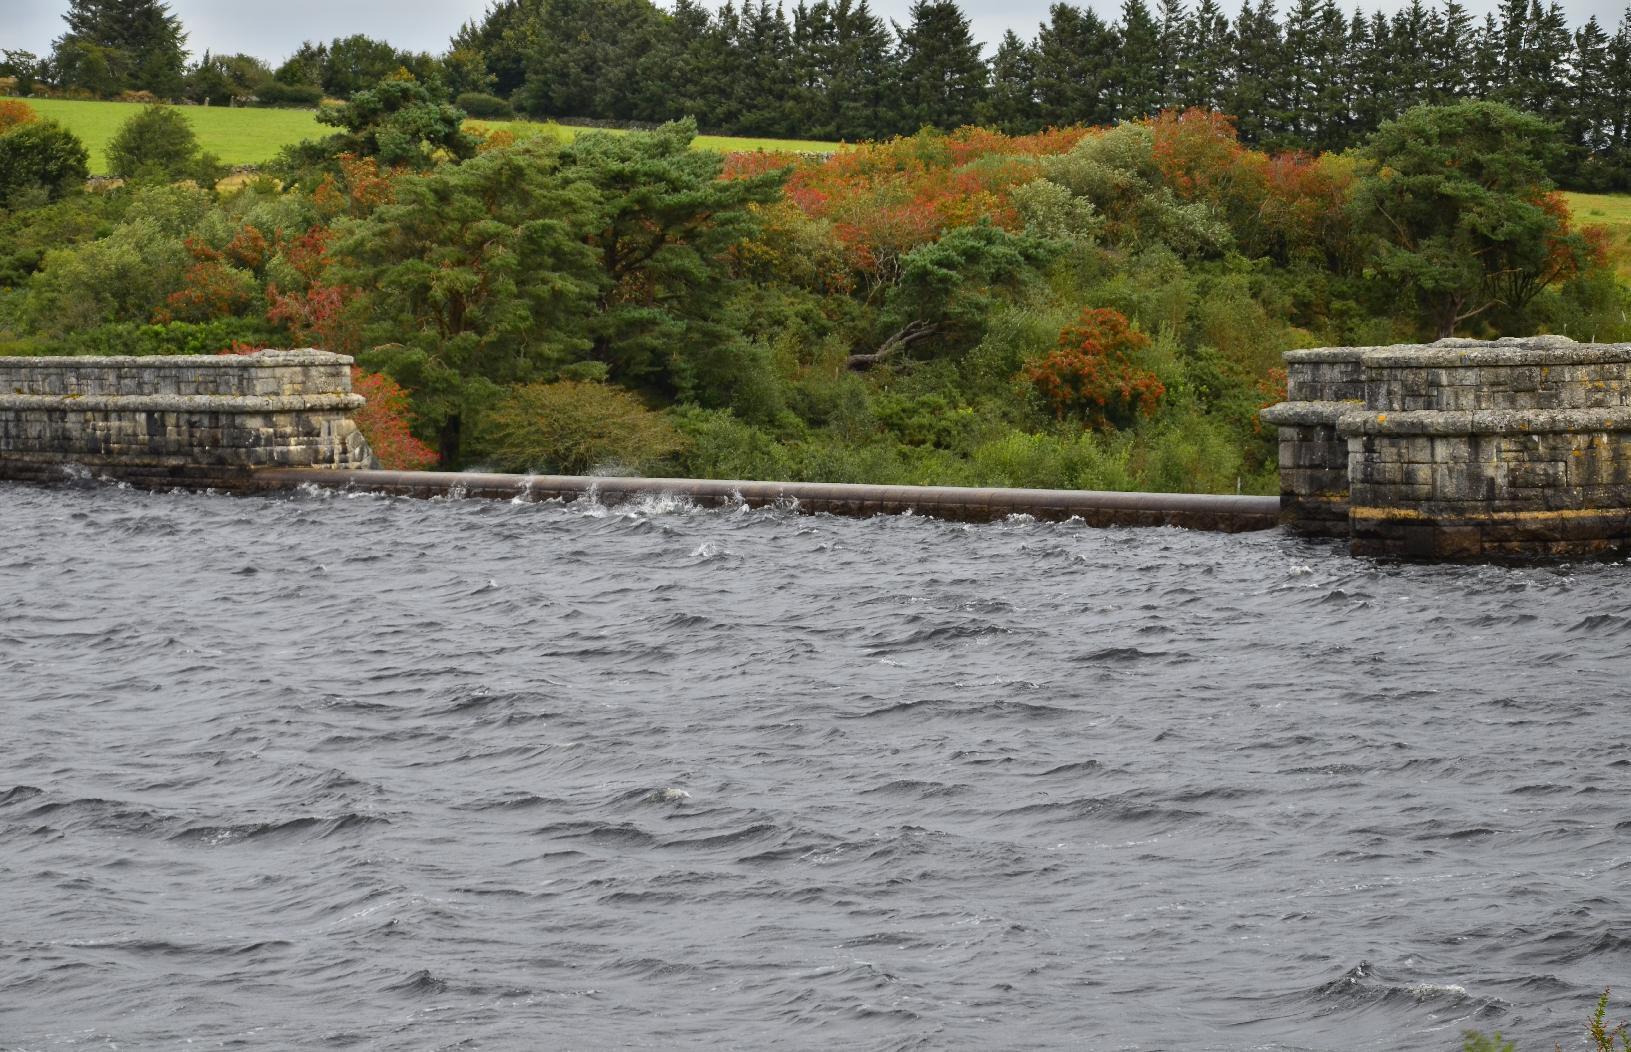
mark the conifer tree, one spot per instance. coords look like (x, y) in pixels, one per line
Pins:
(1256, 98)
(1073, 57)
(765, 81)
(942, 76)
(1011, 105)
(1209, 56)
(1172, 59)
(1134, 75)
(118, 45)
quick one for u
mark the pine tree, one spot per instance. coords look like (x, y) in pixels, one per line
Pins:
(1172, 58)
(1257, 98)
(1412, 32)
(1135, 75)
(1616, 92)
(1447, 55)
(1074, 55)
(119, 45)
(942, 76)
(862, 71)
(1302, 51)
(1589, 117)
(1011, 105)
(1330, 94)
(1485, 77)
(1208, 54)
(765, 79)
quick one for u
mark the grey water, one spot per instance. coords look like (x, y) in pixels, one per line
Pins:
(339, 771)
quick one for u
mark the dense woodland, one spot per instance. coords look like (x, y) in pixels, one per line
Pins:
(1312, 76)
(1083, 307)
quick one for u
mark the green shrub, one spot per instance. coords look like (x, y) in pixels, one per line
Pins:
(1079, 460)
(294, 96)
(480, 104)
(1189, 453)
(719, 446)
(158, 143)
(40, 161)
(136, 339)
(573, 428)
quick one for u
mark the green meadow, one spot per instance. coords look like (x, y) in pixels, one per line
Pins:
(1612, 211)
(254, 136)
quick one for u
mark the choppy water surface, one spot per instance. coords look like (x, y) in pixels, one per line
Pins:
(362, 772)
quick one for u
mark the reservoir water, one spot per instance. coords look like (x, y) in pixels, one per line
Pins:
(334, 771)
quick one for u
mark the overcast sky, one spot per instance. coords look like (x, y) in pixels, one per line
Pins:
(273, 30)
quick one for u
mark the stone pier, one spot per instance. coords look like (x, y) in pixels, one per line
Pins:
(1515, 449)
(162, 421)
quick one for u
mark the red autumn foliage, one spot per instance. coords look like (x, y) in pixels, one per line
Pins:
(249, 248)
(317, 315)
(1285, 206)
(1090, 374)
(885, 199)
(212, 290)
(384, 422)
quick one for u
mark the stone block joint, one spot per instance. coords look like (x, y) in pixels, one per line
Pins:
(1510, 450)
(161, 421)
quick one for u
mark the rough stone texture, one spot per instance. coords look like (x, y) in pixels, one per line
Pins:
(170, 420)
(1321, 385)
(1512, 450)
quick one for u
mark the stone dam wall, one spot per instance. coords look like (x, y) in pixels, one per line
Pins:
(161, 421)
(279, 420)
(1515, 449)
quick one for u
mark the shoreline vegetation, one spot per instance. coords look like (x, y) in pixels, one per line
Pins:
(1086, 308)
(1071, 271)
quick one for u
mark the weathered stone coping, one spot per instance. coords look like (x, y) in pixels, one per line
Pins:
(1223, 513)
(100, 363)
(169, 403)
(1307, 414)
(1439, 356)
(1485, 421)
(1312, 355)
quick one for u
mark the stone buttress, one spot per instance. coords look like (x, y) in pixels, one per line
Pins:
(1515, 449)
(169, 420)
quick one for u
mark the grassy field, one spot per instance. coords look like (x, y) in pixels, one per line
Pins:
(254, 136)
(1612, 211)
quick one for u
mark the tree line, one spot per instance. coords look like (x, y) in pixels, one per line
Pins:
(1312, 77)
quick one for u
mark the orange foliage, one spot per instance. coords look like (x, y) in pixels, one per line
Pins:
(490, 138)
(249, 248)
(383, 420)
(885, 199)
(360, 188)
(1090, 373)
(1563, 260)
(14, 112)
(1285, 206)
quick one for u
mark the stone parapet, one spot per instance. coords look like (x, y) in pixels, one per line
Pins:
(168, 420)
(1512, 449)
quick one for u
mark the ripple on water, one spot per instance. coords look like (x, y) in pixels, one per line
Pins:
(374, 772)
